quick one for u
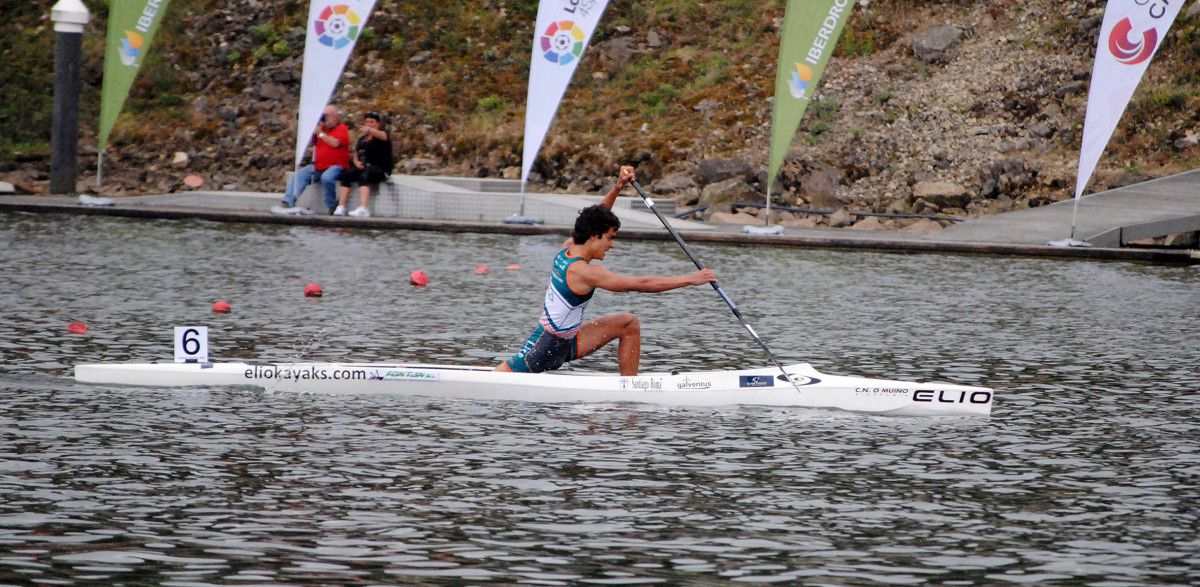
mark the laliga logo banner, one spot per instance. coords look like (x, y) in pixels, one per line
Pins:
(333, 28)
(561, 34)
(1129, 37)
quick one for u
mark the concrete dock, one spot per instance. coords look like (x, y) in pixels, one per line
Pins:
(1114, 218)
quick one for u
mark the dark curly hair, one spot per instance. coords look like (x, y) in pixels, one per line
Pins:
(593, 221)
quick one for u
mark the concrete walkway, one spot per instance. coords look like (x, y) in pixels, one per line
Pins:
(468, 199)
(1169, 205)
(480, 205)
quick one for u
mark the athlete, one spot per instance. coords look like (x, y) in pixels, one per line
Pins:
(563, 334)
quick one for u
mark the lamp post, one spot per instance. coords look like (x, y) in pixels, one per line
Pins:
(69, 17)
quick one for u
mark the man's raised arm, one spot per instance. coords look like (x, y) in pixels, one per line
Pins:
(625, 177)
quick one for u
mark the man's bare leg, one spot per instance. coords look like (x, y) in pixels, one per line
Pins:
(625, 327)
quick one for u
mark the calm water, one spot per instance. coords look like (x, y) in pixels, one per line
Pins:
(1088, 472)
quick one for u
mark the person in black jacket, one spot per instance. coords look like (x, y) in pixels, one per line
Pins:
(370, 164)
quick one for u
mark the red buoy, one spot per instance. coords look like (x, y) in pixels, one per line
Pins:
(77, 328)
(418, 278)
(313, 290)
(482, 269)
(513, 267)
(221, 307)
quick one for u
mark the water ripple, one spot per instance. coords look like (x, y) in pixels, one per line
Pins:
(1087, 472)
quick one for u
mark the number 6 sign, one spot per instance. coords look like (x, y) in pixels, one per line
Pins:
(191, 344)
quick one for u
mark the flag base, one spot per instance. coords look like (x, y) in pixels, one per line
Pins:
(518, 219)
(90, 200)
(1069, 242)
(776, 229)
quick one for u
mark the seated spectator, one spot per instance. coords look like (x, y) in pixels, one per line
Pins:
(370, 164)
(331, 156)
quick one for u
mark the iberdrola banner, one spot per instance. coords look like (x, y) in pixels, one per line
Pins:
(333, 28)
(131, 27)
(1131, 34)
(810, 30)
(561, 34)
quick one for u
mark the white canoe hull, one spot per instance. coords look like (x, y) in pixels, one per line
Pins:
(760, 387)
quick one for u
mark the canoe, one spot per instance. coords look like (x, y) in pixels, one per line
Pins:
(762, 386)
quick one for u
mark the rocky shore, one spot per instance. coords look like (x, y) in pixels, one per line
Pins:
(951, 109)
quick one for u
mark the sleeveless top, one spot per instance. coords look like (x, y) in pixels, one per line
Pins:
(562, 312)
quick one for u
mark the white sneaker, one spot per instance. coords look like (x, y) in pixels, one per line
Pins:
(360, 212)
(289, 210)
(339, 211)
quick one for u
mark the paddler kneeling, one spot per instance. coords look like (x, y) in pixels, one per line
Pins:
(563, 335)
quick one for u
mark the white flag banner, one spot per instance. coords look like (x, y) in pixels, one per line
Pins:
(562, 32)
(1131, 34)
(333, 28)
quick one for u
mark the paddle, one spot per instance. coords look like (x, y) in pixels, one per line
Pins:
(733, 307)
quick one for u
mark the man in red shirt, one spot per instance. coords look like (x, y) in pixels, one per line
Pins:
(331, 156)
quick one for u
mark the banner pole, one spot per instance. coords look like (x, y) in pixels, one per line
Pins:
(1074, 215)
(767, 222)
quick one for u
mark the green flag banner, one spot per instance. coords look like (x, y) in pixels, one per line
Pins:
(810, 30)
(131, 26)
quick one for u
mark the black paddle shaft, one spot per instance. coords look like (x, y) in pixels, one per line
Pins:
(732, 306)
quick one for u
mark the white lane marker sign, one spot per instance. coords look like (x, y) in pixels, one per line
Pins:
(191, 344)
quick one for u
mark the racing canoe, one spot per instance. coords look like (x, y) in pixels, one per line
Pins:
(760, 386)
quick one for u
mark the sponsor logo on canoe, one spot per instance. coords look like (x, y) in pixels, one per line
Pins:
(641, 383)
(310, 373)
(756, 381)
(687, 383)
(411, 375)
(881, 390)
(800, 380)
(945, 396)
